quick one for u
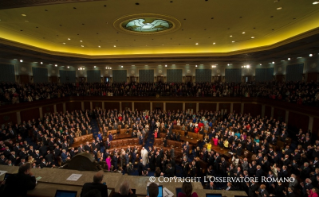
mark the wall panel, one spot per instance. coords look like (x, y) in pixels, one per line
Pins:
(279, 114)
(87, 105)
(146, 76)
(47, 109)
(119, 76)
(294, 72)
(111, 105)
(207, 106)
(141, 106)
(233, 75)
(71, 106)
(40, 75)
(7, 73)
(237, 108)
(8, 118)
(67, 76)
(174, 106)
(93, 76)
(264, 74)
(268, 111)
(157, 105)
(298, 121)
(253, 109)
(224, 106)
(203, 75)
(59, 107)
(30, 114)
(190, 106)
(315, 126)
(128, 105)
(174, 75)
(97, 105)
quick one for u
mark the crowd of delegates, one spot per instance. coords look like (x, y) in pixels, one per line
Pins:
(306, 93)
(52, 137)
(236, 132)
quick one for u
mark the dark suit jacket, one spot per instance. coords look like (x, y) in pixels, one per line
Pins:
(18, 185)
(98, 186)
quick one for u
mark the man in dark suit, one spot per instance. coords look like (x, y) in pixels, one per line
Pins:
(140, 167)
(290, 192)
(97, 185)
(19, 184)
(252, 188)
(169, 171)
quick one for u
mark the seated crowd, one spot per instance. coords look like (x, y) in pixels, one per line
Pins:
(306, 93)
(259, 147)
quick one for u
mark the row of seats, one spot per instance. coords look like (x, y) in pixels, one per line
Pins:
(124, 142)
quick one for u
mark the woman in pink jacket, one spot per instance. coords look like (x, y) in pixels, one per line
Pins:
(215, 140)
(313, 192)
(108, 162)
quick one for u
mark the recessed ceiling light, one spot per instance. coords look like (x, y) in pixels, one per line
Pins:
(165, 65)
(69, 38)
(230, 36)
(279, 8)
(195, 65)
(288, 58)
(315, 2)
(133, 65)
(273, 62)
(252, 37)
(243, 32)
(260, 64)
(82, 46)
(80, 40)
(63, 42)
(94, 66)
(233, 41)
(114, 45)
(227, 64)
(121, 66)
(99, 46)
(299, 57)
(23, 15)
(68, 66)
(196, 43)
(21, 60)
(214, 43)
(213, 66)
(41, 62)
(56, 65)
(310, 55)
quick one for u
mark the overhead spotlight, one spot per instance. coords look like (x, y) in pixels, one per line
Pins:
(99, 46)
(63, 42)
(196, 43)
(214, 43)
(94, 66)
(279, 8)
(68, 66)
(230, 36)
(56, 65)
(260, 64)
(165, 65)
(213, 66)
(41, 62)
(195, 65)
(133, 65)
(315, 2)
(233, 41)
(114, 45)
(288, 58)
(23, 15)
(21, 60)
(252, 37)
(80, 40)
(243, 32)
(248, 66)
(69, 38)
(82, 46)
(227, 64)
(310, 55)
(273, 62)
(121, 66)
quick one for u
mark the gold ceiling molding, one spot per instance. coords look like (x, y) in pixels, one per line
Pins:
(146, 24)
(168, 55)
(9, 4)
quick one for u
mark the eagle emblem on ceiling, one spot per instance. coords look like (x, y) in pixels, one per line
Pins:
(141, 25)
